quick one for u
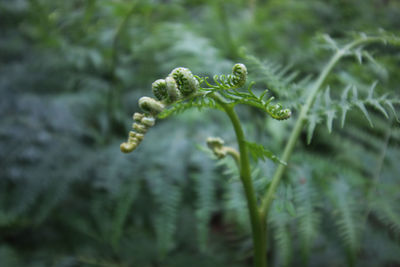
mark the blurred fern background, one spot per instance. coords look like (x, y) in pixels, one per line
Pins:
(71, 73)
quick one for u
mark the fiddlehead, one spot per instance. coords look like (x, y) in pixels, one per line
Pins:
(239, 76)
(141, 125)
(159, 88)
(179, 84)
(235, 80)
(227, 87)
(150, 105)
(173, 94)
(216, 145)
(186, 82)
(278, 112)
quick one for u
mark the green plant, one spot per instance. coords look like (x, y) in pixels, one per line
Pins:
(182, 90)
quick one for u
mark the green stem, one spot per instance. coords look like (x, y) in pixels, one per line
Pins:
(258, 230)
(234, 154)
(294, 136)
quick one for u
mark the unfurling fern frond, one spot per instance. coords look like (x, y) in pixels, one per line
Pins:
(181, 91)
(276, 111)
(235, 80)
(248, 97)
(199, 102)
(179, 84)
(186, 82)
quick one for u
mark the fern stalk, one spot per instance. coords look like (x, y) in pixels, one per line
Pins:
(257, 225)
(294, 136)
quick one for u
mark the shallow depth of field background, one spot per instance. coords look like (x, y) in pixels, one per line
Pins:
(71, 73)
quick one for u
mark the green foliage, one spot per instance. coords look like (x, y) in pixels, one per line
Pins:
(260, 152)
(228, 91)
(280, 80)
(309, 219)
(346, 218)
(328, 108)
(70, 71)
(181, 106)
(280, 223)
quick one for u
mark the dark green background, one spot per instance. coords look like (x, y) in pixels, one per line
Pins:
(70, 76)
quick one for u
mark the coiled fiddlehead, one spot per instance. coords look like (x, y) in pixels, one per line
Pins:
(239, 76)
(278, 112)
(179, 84)
(142, 123)
(173, 94)
(150, 105)
(235, 80)
(159, 88)
(216, 145)
(186, 82)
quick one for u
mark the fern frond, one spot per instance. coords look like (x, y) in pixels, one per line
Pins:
(370, 100)
(388, 215)
(178, 107)
(260, 180)
(308, 218)
(346, 220)
(124, 203)
(205, 205)
(235, 205)
(328, 108)
(231, 81)
(278, 78)
(280, 222)
(260, 152)
(248, 97)
(165, 221)
(312, 121)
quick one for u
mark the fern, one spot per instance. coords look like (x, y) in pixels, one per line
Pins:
(181, 90)
(280, 222)
(124, 204)
(62, 178)
(347, 218)
(281, 80)
(308, 217)
(235, 205)
(165, 222)
(181, 106)
(260, 152)
(328, 108)
(388, 215)
(230, 92)
(205, 187)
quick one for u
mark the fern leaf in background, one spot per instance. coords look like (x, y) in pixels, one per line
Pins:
(347, 222)
(308, 218)
(70, 71)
